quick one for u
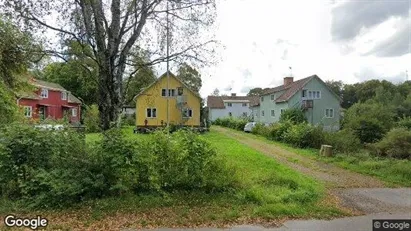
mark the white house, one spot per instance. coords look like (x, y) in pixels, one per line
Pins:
(230, 106)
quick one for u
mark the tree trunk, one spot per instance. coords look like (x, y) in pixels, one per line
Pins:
(109, 101)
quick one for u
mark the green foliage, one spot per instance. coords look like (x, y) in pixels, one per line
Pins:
(261, 129)
(396, 144)
(234, 123)
(8, 107)
(304, 135)
(369, 121)
(46, 168)
(190, 76)
(129, 120)
(92, 119)
(343, 141)
(293, 115)
(404, 122)
(277, 130)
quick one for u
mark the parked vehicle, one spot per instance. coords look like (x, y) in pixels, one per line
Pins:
(249, 126)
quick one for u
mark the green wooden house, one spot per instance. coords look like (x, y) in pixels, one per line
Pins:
(319, 103)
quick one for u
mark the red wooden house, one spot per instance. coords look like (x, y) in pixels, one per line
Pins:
(49, 101)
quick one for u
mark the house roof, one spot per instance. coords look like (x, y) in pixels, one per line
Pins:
(218, 101)
(293, 88)
(27, 94)
(163, 76)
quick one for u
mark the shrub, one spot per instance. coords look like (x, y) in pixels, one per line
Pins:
(92, 119)
(343, 141)
(234, 123)
(369, 121)
(404, 122)
(277, 130)
(304, 135)
(293, 115)
(261, 129)
(396, 144)
(129, 120)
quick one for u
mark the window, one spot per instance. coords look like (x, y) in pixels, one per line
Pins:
(187, 113)
(44, 93)
(151, 113)
(329, 113)
(244, 104)
(229, 104)
(262, 98)
(171, 92)
(272, 113)
(74, 112)
(64, 95)
(272, 97)
(163, 92)
(245, 114)
(262, 113)
(180, 91)
(314, 94)
(304, 93)
(230, 114)
(28, 111)
(282, 110)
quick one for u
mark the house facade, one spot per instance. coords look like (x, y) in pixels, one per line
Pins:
(230, 106)
(49, 101)
(319, 103)
(178, 101)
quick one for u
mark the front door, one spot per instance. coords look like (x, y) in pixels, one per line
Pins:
(42, 112)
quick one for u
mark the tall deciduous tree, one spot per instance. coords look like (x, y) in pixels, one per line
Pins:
(216, 92)
(255, 91)
(190, 76)
(113, 27)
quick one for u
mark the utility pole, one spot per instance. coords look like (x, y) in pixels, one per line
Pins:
(168, 67)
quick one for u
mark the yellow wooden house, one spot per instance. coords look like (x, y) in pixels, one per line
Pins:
(182, 103)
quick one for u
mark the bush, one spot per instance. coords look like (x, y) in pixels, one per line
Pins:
(369, 121)
(260, 129)
(277, 130)
(234, 123)
(293, 115)
(396, 144)
(57, 168)
(304, 135)
(343, 141)
(129, 120)
(92, 119)
(404, 122)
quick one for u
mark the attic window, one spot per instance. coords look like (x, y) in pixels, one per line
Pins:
(44, 93)
(63, 95)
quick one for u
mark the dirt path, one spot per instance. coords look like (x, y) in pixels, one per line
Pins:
(359, 193)
(333, 176)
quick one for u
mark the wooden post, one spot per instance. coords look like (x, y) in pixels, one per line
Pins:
(326, 150)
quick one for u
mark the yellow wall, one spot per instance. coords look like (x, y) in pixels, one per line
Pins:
(151, 98)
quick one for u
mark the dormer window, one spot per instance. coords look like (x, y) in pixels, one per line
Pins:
(44, 93)
(64, 95)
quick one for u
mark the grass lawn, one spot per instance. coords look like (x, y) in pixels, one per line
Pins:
(391, 171)
(269, 192)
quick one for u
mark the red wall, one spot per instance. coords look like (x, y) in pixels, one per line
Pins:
(54, 106)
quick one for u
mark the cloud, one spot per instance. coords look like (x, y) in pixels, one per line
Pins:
(350, 18)
(396, 45)
(244, 90)
(285, 55)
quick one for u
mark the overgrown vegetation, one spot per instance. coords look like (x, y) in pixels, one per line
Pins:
(46, 168)
(293, 115)
(92, 119)
(230, 122)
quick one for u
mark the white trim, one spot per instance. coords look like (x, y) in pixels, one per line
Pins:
(74, 112)
(272, 97)
(64, 95)
(329, 113)
(28, 111)
(187, 110)
(152, 109)
(229, 104)
(46, 93)
(272, 113)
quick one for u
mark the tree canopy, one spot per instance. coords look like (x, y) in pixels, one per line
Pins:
(190, 76)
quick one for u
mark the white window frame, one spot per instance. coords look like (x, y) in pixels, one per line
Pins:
(44, 93)
(272, 97)
(244, 104)
(74, 112)
(229, 104)
(152, 109)
(28, 111)
(171, 92)
(164, 90)
(64, 95)
(329, 114)
(272, 113)
(187, 110)
(314, 95)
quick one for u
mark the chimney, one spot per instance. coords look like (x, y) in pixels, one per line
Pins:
(233, 94)
(288, 81)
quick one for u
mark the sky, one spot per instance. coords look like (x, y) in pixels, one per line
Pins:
(350, 41)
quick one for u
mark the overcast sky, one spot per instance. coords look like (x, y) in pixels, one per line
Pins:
(350, 41)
